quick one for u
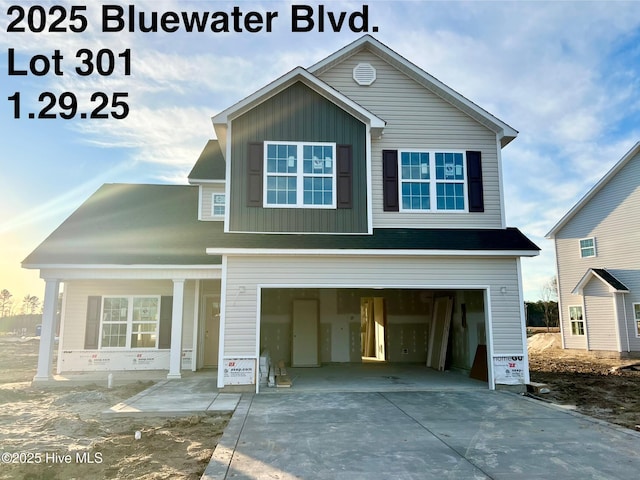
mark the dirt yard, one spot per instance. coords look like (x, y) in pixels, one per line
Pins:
(58, 433)
(608, 389)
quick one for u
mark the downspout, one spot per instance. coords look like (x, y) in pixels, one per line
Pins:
(626, 324)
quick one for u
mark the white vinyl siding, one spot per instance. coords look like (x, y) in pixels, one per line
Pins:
(418, 119)
(611, 218)
(245, 274)
(77, 293)
(207, 193)
(600, 317)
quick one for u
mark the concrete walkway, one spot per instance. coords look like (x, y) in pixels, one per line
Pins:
(186, 396)
(469, 434)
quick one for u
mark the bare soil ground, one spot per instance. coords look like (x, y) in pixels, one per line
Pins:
(58, 433)
(603, 388)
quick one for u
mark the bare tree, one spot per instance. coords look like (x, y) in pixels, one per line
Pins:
(5, 303)
(549, 302)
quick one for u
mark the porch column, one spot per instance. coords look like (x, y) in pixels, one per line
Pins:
(48, 331)
(175, 355)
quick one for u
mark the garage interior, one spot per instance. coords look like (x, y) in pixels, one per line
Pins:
(398, 334)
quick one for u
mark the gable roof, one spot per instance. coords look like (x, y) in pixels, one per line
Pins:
(615, 285)
(505, 132)
(298, 74)
(123, 224)
(210, 166)
(635, 150)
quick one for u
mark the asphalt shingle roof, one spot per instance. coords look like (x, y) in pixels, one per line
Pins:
(210, 164)
(123, 224)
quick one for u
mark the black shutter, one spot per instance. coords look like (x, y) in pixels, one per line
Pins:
(92, 332)
(255, 163)
(344, 179)
(390, 180)
(474, 182)
(166, 314)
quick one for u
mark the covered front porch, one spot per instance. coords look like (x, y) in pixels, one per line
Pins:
(177, 332)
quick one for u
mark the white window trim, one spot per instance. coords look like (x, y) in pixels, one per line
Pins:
(300, 175)
(635, 319)
(432, 181)
(595, 249)
(213, 204)
(128, 346)
(583, 321)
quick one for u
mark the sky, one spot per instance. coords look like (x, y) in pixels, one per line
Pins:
(566, 75)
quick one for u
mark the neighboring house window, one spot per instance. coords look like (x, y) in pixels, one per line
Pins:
(432, 181)
(636, 311)
(130, 322)
(588, 247)
(217, 203)
(300, 174)
(577, 320)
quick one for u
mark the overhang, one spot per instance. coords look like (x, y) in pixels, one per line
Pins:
(613, 284)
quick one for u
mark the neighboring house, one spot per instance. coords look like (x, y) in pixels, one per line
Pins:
(598, 268)
(345, 210)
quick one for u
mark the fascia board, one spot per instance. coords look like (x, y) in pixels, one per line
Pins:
(370, 252)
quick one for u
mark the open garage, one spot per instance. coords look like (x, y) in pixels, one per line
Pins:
(436, 329)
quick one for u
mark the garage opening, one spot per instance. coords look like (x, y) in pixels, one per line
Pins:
(433, 329)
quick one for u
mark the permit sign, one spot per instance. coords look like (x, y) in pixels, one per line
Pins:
(509, 369)
(240, 371)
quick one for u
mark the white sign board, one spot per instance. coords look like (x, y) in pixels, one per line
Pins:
(509, 370)
(240, 371)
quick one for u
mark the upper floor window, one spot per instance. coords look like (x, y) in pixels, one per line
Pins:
(577, 320)
(217, 205)
(300, 174)
(432, 180)
(588, 247)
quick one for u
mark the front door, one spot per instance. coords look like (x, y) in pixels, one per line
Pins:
(211, 330)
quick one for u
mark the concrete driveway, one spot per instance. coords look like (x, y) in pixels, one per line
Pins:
(473, 434)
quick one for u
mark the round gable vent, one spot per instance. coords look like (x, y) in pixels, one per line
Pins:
(364, 74)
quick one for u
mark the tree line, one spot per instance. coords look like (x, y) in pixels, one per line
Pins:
(29, 305)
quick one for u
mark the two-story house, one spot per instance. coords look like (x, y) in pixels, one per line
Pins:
(598, 269)
(349, 210)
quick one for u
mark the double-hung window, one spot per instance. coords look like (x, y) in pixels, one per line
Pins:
(577, 320)
(130, 322)
(588, 247)
(636, 313)
(300, 175)
(432, 180)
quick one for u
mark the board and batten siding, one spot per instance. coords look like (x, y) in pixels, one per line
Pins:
(76, 294)
(611, 217)
(417, 118)
(297, 114)
(245, 274)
